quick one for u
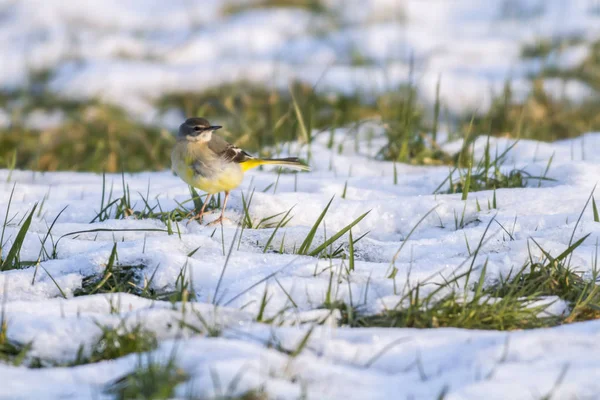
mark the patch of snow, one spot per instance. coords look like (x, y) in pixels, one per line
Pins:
(337, 362)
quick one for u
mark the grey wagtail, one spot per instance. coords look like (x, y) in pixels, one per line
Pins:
(209, 163)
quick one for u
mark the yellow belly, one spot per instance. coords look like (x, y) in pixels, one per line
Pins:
(223, 182)
(227, 177)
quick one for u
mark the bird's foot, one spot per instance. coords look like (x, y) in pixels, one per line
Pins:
(218, 221)
(194, 217)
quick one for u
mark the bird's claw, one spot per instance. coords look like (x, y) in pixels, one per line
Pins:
(218, 221)
(193, 217)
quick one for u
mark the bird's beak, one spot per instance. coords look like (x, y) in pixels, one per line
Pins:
(215, 127)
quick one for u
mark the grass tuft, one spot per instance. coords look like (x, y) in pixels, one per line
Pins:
(405, 129)
(305, 247)
(512, 302)
(487, 174)
(11, 352)
(150, 380)
(13, 259)
(118, 342)
(130, 279)
(115, 278)
(315, 6)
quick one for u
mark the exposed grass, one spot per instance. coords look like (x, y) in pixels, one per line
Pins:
(130, 279)
(554, 276)
(257, 394)
(150, 380)
(11, 352)
(315, 6)
(350, 315)
(277, 221)
(12, 260)
(122, 207)
(307, 248)
(489, 173)
(541, 116)
(154, 380)
(538, 117)
(255, 117)
(486, 174)
(455, 311)
(99, 137)
(504, 306)
(96, 138)
(512, 302)
(407, 131)
(115, 278)
(542, 48)
(92, 136)
(588, 71)
(117, 342)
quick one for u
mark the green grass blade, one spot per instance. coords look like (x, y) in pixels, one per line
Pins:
(219, 282)
(311, 234)
(302, 343)
(565, 253)
(281, 222)
(337, 235)
(479, 287)
(263, 304)
(247, 219)
(447, 179)
(15, 249)
(196, 199)
(351, 251)
(465, 192)
(408, 237)
(6, 221)
(56, 283)
(300, 117)
(286, 293)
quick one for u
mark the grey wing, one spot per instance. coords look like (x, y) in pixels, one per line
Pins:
(227, 151)
(200, 168)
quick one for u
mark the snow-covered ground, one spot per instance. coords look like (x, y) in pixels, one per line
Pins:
(132, 52)
(338, 362)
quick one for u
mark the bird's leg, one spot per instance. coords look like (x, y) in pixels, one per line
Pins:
(208, 199)
(220, 219)
(201, 213)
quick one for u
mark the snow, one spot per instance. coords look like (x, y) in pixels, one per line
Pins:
(338, 362)
(132, 52)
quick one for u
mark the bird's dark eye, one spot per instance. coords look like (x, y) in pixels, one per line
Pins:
(197, 128)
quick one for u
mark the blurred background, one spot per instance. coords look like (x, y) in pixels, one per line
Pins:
(103, 85)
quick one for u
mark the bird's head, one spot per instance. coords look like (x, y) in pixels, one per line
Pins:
(196, 130)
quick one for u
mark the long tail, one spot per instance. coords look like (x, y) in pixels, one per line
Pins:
(291, 162)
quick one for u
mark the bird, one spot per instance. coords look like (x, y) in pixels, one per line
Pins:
(208, 162)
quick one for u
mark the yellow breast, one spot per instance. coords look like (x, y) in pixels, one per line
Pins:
(220, 177)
